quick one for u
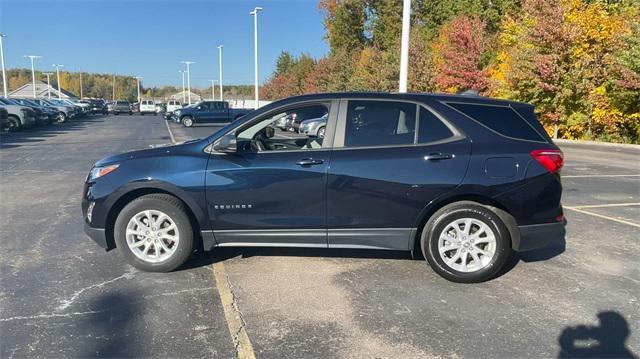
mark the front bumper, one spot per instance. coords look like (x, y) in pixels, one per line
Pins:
(538, 236)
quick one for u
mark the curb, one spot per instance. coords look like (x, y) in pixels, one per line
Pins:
(606, 144)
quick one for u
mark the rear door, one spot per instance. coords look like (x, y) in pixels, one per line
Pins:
(390, 159)
(220, 111)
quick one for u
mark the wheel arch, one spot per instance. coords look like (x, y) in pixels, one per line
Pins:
(491, 204)
(193, 212)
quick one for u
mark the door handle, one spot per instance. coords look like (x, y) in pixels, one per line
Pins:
(309, 162)
(439, 156)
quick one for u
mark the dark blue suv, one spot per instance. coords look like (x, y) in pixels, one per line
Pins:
(462, 179)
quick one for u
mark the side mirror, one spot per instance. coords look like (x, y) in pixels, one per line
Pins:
(227, 144)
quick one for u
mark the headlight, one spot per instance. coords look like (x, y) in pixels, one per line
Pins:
(97, 172)
(177, 112)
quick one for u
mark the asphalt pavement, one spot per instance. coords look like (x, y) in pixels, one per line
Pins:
(63, 296)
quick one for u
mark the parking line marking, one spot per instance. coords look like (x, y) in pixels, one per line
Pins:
(606, 205)
(239, 336)
(173, 139)
(597, 176)
(602, 216)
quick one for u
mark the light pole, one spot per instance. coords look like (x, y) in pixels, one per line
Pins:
(404, 47)
(255, 52)
(81, 94)
(33, 72)
(138, 78)
(220, 60)
(184, 95)
(4, 75)
(58, 76)
(48, 83)
(213, 89)
(188, 63)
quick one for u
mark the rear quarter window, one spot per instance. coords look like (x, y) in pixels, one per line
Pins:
(501, 119)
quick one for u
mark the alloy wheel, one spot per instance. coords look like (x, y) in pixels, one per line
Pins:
(467, 245)
(152, 236)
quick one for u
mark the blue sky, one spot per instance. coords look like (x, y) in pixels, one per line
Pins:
(150, 38)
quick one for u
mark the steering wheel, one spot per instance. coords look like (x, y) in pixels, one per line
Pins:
(256, 142)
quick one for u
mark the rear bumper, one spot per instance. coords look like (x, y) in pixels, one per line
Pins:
(98, 235)
(538, 235)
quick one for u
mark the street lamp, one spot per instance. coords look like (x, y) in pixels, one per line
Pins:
(48, 83)
(404, 47)
(184, 95)
(255, 52)
(213, 89)
(33, 72)
(188, 78)
(220, 60)
(58, 76)
(138, 78)
(4, 75)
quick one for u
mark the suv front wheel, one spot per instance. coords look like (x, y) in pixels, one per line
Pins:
(466, 242)
(154, 233)
(187, 121)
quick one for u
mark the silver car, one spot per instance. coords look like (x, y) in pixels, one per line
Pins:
(314, 126)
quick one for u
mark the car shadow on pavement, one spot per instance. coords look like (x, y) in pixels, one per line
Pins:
(111, 326)
(40, 133)
(221, 254)
(606, 340)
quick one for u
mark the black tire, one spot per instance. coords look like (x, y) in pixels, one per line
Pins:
(175, 209)
(130, 113)
(187, 121)
(14, 123)
(116, 113)
(465, 209)
(62, 117)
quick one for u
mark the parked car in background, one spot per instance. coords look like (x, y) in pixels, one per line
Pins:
(4, 118)
(77, 110)
(465, 180)
(314, 126)
(98, 106)
(296, 117)
(161, 107)
(63, 112)
(147, 106)
(135, 106)
(121, 106)
(173, 105)
(208, 112)
(44, 115)
(19, 116)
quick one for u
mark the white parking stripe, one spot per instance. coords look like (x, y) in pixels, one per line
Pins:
(602, 216)
(596, 176)
(606, 205)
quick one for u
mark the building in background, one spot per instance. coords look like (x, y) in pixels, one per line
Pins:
(26, 91)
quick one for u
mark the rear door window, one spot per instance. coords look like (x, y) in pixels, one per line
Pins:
(430, 128)
(501, 119)
(379, 123)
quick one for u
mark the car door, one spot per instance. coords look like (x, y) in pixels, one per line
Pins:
(219, 112)
(203, 112)
(385, 168)
(275, 196)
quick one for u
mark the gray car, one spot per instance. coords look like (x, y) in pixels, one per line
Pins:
(314, 126)
(121, 107)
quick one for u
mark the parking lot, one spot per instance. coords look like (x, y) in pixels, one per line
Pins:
(63, 296)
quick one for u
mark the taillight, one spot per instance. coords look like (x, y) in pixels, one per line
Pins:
(552, 160)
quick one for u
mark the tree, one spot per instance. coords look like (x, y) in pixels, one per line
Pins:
(345, 23)
(284, 63)
(458, 54)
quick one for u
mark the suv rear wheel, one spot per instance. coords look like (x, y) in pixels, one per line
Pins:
(466, 242)
(154, 233)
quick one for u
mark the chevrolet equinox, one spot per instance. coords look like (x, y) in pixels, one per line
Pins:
(465, 180)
